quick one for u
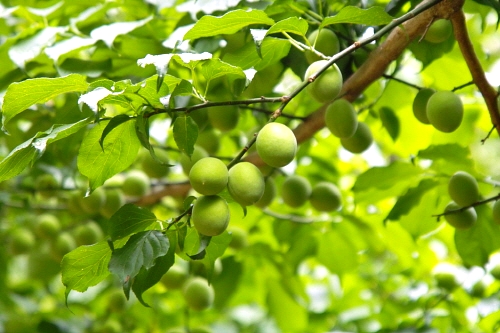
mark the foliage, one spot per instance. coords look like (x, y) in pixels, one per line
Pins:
(91, 89)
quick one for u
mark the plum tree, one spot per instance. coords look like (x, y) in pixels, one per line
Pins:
(439, 31)
(341, 118)
(208, 176)
(187, 163)
(445, 111)
(295, 191)
(245, 183)
(324, 41)
(268, 195)
(48, 226)
(460, 220)
(419, 105)
(153, 168)
(175, 277)
(136, 184)
(92, 203)
(325, 197)
(463, 188)
(276, 145)
(224, 118)
(360, 141)
(88, 233)
(210, 215)
(328, 85)
(198, 294)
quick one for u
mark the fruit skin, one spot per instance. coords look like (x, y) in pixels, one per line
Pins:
(446, 280)
(21, 241)
(187, 163)
(47, 185)
(360, 141)
(136, 184)
(439, 31)
(268, 195)
(198, 294)
(419, 105)
(209, 140)
(115, 199)
(238, 238)
(224, 118)
(295, 191)
(175, 277)
(92, 203)
(324, 41)
(65, 243)
(496, 212)
(461, 220)
(209, 176)
(325, 197)
(88, 233)
(47, 226)
(246, 183)
(463, 189)
(327, 86)
(276, 145)
(478, 289)
(341, 119)
(210, 215)
(445, 111)
(152, 168)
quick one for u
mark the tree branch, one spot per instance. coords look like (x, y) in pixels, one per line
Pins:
(467, 49)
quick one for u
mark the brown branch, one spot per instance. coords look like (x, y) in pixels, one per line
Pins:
(467, 49)
(461, 209)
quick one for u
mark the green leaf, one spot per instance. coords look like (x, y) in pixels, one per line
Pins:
(22, 95)
(476, 244)
(386, 176)
(108, 33)
(272, 50)
(129, 219)
(149, 277)
(294, 24)
(450, 153)
(230, 276)
(185, 134)
(142, 130)
(336, 252)
(390, 122)
(410, 199)
(140, 251)
(215, 68)
(350, 14)
(289, 315)
(112, 124)
(493, 4)
(229, 23)
(119, 150)
(85, 266)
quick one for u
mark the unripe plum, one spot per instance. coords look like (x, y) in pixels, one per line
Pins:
(21, 241)
(341, 118)
(209, 140)
(47, 226)
(245, 183)
(463, 189)
(295, 191)
(445, 111)
(495, 272)
(47, 185)
(420, 105)
(238, 238)
(276, 145)
(327, 86)
(446, 280)
(187, 163)
(439, 31)
(136, 184)
(64, 243)
(324, 41)
(210, 215)
(175, 277)
(268, 195)
(198, 294)
(114, 200)
(360, 141)
(94, 201)
(325, 197)
(208, 176)
(224, 118)
(460, 220)
(153, 168)
(88, 233)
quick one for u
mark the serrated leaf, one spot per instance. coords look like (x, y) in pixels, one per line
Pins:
(294, 24)
(85, 266)
(386, 176)
(272, 50)
(229, 23)
(22, 95)
(119, 150)
(185, 134)
(140, 251)
(129, 219)
(390, 122)
(113, 123)
(108, 33)
(375, 15)
(149, 277)
(215, 68)
(410, 199)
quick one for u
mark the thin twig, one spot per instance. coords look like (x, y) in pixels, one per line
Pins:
(461, 209)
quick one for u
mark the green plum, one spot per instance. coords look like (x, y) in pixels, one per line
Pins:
(463, 189)
(360, 141)
(210, 215)
(208, 176)
(324, 41)
(136, 184)
(419, 106)
(224, 118)
(460, 220)
(198, 294)
(245, 183)
(276, 145)
(341, 118)
(268, 195)
(327, 86)
(295, 191)
(325, 197)
(445, 111)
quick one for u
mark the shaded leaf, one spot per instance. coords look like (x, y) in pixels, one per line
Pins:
(289, 315)
(386, 176)
(272, 50)
(113, 123)
(390, 121)
(129, 219)
(185, 134)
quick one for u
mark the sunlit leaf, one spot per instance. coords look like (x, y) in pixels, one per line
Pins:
(295, 25)
(185, 134)
(375, 15)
